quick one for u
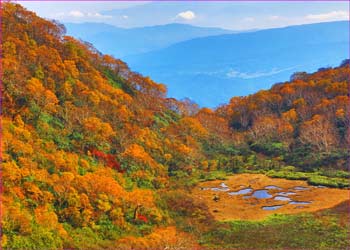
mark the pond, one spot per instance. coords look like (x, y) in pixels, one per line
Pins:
(286, 193)
(282, 198)
(271, 207)
(299, 202)
(223, 188)
(242, 191)
(273, 187)
(299, 188)
(223, 185)
(220, 189)
(262, 194)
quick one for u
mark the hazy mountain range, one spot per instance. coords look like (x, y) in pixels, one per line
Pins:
(210, 66)
(210, 70)
(121, 42)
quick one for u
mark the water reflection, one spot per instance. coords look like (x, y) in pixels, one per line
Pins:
(273, 187)
(286, 193)
(299, 188)
(261, 194)
(282, 198)
(242, 191)
(272, 207)
(300, 202)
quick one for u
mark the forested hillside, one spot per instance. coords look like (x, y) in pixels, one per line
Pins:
(86, 143)
(304, 122)
(95, 156)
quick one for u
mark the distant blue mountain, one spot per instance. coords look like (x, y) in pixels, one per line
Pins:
(121, 42)
(234, 14)
(211, 70)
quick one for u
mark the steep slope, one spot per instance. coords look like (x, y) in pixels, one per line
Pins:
(87, 145)
(121, 42)
(241, 64)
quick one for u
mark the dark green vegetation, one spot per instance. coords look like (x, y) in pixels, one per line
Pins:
(335, 179)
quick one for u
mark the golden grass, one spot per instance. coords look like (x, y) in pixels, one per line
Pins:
(234, 207)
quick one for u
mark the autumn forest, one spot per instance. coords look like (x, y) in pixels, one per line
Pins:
(96, 156)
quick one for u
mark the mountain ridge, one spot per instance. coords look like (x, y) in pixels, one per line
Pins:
(224, 60)
(125, 41)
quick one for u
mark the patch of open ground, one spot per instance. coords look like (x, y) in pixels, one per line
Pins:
(256, 196)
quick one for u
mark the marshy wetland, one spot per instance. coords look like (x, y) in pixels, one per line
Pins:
(256, 196)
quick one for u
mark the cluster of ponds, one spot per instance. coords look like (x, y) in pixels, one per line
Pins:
(248, 192)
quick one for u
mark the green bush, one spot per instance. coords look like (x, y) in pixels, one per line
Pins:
(40, 238)
(85, 238)
(269, 148)
(288, 175)
(328, 182)
(315, 179)
(215, 175)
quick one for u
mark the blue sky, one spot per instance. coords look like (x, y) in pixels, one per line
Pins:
(229, 15)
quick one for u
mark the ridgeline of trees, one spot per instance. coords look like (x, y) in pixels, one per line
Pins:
(304, 122)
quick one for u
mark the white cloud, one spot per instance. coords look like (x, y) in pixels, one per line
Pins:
(97, 15)
(79, 14)
(76, 13)
(125, 17)
(187, 15)
(333, 15)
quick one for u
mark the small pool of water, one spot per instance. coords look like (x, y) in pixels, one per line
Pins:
(242, 191)
(299, 188)
(286, 193)
(223, 185)
(223, 188)
(299, 202)
(261, 194)
(272, 207)
(220, 189)
(282, 198)
(273, 187)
